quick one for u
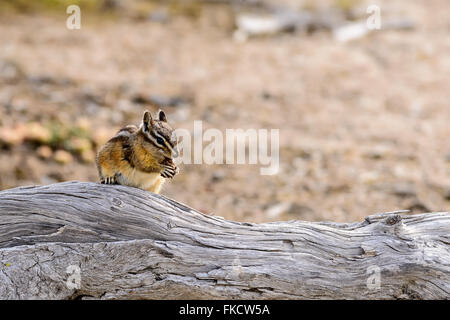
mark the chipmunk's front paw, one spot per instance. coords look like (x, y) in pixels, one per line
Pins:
(108, 180)
(170, 170)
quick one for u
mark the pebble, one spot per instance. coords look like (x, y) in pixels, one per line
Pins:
(44, 152)
(11, 136)
(277, 209)
(88, 156)
(404, 190)
(36, 132)
(63, 157)
(80, 145)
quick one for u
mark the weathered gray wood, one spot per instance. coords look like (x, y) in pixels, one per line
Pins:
(128, 243)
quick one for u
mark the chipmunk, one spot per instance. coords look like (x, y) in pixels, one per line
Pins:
(140, 157)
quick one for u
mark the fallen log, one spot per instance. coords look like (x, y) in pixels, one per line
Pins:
(79, 240)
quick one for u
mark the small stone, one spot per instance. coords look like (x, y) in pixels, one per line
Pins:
(162, 101)
(378, 152)
(12, 136)
(416, 206)
(404, 190)
(88, 156)
(62, 157)
(277, 209)
(159, 16)
(126, 106)
(350, 32)
(48, 180)
(217, 176)
(80, 145)
(44, 152)
(116, 117)
(38, 133)
(446, 192)
(298, 211)
(84, 124)
(369, 177)
(180, 114)
(10, 71)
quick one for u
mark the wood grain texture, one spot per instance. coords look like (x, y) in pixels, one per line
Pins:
(132, 244)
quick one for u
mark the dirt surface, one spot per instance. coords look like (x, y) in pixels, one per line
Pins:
(364, 125)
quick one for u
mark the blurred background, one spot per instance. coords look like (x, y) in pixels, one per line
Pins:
(364, 116)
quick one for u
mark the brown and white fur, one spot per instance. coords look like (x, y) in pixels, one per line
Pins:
(140, 157)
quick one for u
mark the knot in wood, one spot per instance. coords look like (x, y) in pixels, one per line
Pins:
(117, 202)
(394, 219)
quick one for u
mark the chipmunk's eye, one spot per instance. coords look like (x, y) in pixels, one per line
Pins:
(160, 141)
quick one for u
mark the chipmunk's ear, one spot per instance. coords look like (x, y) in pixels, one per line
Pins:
(162, 116)
(147, 121)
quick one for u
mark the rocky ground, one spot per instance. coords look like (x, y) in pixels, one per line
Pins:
(364, 125)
